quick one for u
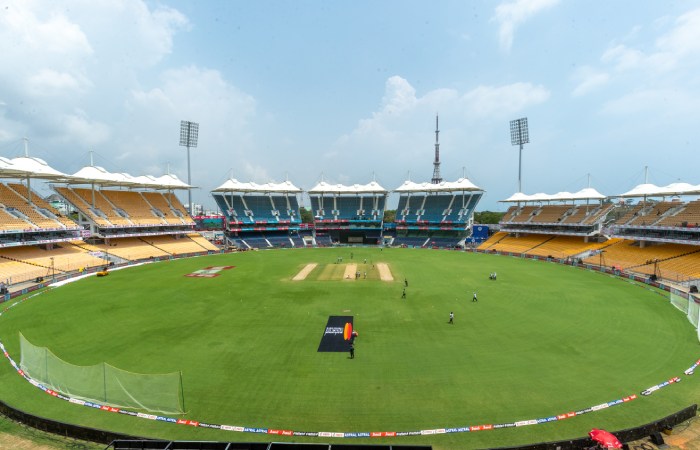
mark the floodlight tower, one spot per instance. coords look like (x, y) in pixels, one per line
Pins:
(436, 164)
(188, 138)
(519, 136)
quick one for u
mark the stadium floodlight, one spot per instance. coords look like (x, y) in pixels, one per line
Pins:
(189, 132)
(519, 135)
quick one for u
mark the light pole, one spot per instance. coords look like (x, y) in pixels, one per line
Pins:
(189, 132)
(518, 136)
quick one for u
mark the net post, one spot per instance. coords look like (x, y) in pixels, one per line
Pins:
(46, 363)
(104, 380)
(182, 393)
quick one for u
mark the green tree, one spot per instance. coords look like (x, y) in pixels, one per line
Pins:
(306, 216)
(389, 215)
(488, 217)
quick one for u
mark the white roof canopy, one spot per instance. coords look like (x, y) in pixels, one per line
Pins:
(583, 194)
(233, 185)
(461, 184)
(100, 176)
(25, 166)
(327, 188)
(652, 190)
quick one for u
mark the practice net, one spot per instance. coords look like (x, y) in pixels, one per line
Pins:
(690, 305)
(103, 383)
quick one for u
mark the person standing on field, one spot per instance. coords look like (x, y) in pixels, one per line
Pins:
(452, 318)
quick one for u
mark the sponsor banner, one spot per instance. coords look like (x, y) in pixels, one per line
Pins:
(337, 334)
(523, 423)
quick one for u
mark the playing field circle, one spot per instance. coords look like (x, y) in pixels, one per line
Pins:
(542, 340)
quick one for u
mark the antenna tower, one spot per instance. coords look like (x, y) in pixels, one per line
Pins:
(436, 164)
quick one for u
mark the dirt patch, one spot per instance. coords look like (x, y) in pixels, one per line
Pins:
(384, 272)
(18, 443)
(303, 273)
(350, 271)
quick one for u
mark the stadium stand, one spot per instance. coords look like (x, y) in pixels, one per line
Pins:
(348, 214)
(135, 207)
(39, 205)
(435, 215)
(685, 215)
(259, 216)
(171, 213)
(112, 226)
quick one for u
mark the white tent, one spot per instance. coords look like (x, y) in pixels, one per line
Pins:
(233, 185)
(96, 175)
(583, 194)
(29, 168)
(327, 188)
(9, 170)
(461, 184)
(652, 190)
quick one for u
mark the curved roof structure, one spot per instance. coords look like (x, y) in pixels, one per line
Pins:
(8, 169)
(327, 188)
(461, 184)
(652, 190)
(35, 168)
(100, 176)
(233, 185)
(583, 194)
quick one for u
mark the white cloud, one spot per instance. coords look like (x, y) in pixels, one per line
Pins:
(512, 14)
(589, 80)
(623, 58)
(678, 46)
(399, 136)
(502, 101)
(656, 79)
(662, 102)
(78, 127)
(49, 82)
(43, 52)
(400, 106)
(684, 39)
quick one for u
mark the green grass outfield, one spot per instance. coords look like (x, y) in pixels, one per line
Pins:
(543, 339)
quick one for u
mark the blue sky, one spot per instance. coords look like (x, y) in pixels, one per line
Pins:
(348, 91)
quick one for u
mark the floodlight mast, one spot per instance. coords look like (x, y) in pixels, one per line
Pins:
(518, 136)
(189, 132)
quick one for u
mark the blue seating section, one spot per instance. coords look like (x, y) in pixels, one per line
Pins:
(279, 241)
(443, 242)
(247, 209)
(256, 242)
(410, 241)
(348, 207)
(319, 211)
(452, 207)
(435, 207)
(323, 240)
(298, 242)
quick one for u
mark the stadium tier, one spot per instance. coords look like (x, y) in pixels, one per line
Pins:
(348, 214)
(260, 216)
(652, 237)
(435, 215)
